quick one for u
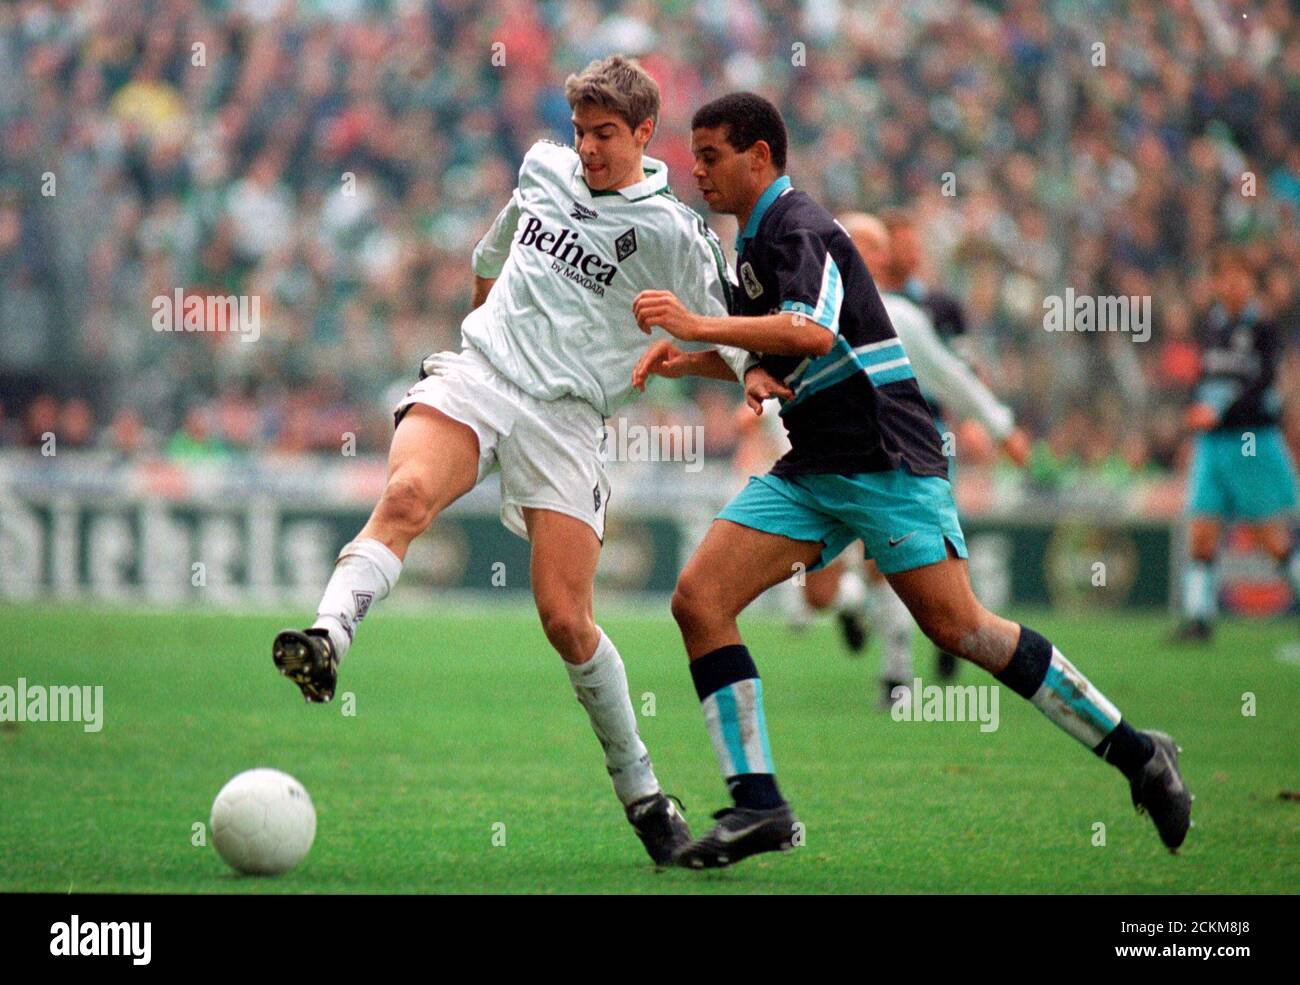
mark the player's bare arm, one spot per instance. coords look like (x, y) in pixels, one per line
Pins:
(785, 333)
(665, 359)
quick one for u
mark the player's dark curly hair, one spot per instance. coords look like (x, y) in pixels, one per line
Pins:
(748, 118)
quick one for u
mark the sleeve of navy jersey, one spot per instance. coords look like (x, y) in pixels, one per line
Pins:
(808, 278)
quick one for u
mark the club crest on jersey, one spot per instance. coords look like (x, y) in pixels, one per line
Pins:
(749, 280)
(581, 212)
(625, 245)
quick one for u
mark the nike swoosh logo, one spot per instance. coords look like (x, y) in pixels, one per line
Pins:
(1176, 786)
(727, 836)
(895, 541)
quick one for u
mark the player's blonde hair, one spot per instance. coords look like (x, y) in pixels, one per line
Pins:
(619, 85)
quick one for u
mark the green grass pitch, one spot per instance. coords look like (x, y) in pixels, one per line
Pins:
(466, 721)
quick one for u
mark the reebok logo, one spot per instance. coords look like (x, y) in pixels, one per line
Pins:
(581, 212)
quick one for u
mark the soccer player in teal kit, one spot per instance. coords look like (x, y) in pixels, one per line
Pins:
(865, 463)
(1241, 468)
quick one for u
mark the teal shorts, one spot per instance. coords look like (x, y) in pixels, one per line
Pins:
(1226, 483)
(903, 520)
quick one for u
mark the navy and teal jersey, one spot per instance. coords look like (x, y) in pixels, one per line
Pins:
(1239, 359)
(858, 408)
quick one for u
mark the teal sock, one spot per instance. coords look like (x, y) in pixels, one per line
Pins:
(731, 695)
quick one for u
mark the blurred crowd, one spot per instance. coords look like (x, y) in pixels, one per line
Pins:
(338, 159)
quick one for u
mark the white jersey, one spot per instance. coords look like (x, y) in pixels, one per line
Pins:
(569, 262)
(940, 373)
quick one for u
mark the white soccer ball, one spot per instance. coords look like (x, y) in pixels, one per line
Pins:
(263, 822)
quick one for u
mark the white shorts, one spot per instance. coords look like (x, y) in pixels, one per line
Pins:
(549, 451)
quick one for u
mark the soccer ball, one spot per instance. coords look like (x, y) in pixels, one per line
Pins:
(263, 822)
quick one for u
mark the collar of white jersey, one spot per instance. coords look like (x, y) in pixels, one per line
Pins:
(654, 182)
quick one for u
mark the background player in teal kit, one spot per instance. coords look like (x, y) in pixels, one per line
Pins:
(1241, 468)
(865, 462)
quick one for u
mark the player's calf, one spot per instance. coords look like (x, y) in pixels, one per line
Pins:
(600, 685)
(565, 552)
(1040, 673)
(1031, 666)
(433, 460)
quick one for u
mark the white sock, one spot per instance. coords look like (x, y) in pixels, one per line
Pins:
(850, 594)
(895, 625)
(1200, 596)
(1291, 568)
(793, 604)
(601, 687)
(365, 572)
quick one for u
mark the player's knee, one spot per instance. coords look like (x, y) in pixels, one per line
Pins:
(690, 604)
(406, 504)
(566, 627)
(952, 631)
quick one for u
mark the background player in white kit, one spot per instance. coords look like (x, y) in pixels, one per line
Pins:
(549, 352)
(943, 377)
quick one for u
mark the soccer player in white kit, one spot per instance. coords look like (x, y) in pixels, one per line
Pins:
(548, 354)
